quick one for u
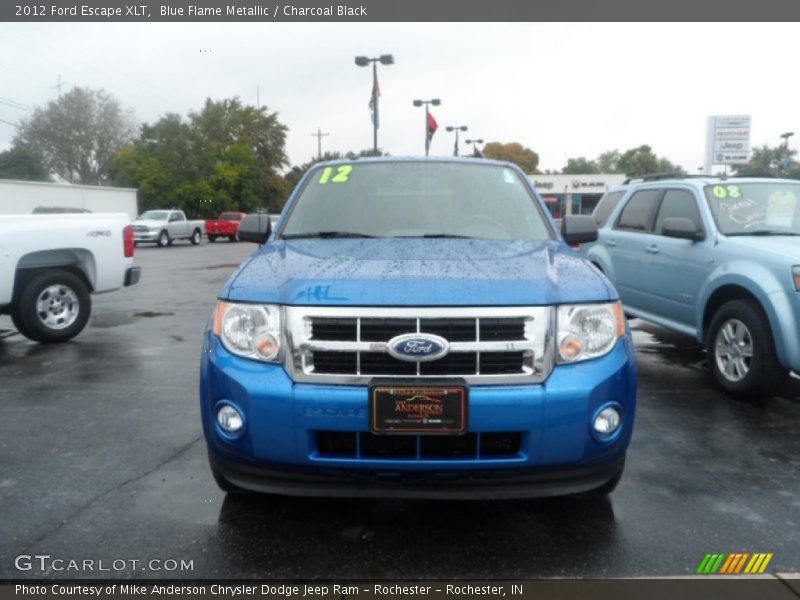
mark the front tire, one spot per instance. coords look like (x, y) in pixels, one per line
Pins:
(54, 306)
(741, 351)
(196, 235)
(163, 239)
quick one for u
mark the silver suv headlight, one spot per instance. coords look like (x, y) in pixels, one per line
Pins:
(586, 331)
(249, 330)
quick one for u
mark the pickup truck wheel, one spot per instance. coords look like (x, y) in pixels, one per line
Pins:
(53, 307)
(741, 351)
(196, 235)
(163, 239)
(212, 238)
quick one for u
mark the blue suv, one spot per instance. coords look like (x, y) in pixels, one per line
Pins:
(417, 328)
(715, 258)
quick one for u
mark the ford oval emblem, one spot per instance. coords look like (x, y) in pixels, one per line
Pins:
(418, 347)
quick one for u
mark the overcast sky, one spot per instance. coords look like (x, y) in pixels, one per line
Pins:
(564, 90)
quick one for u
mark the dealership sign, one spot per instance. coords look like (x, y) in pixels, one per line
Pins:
(728, 140)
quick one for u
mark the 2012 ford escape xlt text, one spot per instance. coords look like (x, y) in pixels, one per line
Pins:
(417, 328)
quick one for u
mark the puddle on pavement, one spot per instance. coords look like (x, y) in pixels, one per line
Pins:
(115, 319)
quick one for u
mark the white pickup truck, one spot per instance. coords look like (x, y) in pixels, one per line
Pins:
(165, 226)
(50, 264)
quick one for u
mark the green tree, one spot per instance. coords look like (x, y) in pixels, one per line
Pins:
(608, 162)
(771, 162)
(18, 163)
(642, 160)
(224, 157)
(523, 157)
(77, 136)
(580, 165)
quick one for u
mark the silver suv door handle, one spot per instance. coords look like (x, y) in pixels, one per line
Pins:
(652, 249)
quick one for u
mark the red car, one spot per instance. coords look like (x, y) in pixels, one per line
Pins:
(226, 226)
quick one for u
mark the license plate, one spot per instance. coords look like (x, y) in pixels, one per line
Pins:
(429, 409)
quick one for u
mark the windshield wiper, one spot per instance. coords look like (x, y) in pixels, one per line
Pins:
(325, 234)
(761, 233)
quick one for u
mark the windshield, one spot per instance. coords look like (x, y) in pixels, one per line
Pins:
(154, 215)
(416, 199)
(767, 208)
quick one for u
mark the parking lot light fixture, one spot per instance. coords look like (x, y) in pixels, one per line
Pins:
(427, 103)
(363, 61)
(456, 128)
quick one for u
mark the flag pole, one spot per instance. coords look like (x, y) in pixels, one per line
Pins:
(427, 143)
(375, 113)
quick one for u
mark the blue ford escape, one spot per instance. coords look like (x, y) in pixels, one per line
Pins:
(417, 328)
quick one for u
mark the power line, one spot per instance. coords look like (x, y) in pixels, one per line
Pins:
(13, 104)
(9, 123)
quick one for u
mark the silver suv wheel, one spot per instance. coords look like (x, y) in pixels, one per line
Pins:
(733, 350)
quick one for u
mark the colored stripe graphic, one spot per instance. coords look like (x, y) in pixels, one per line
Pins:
(734, 564)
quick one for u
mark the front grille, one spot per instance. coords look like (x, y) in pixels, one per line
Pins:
(350, 345)
(471, 446)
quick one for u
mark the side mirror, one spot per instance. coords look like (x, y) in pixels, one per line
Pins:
(681, 228)
(255, 228)
(578, 229)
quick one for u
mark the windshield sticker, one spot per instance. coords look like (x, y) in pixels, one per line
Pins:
(781, 208)
(727, 191)
(342, 174)
(745, 213)
(508, 176)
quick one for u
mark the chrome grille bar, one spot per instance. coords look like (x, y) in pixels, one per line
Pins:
(535, 350)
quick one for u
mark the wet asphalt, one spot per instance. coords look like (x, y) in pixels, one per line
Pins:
(102, 458)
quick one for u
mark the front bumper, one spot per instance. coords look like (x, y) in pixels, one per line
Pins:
(145, 236)
(278, 452)
(489, 485)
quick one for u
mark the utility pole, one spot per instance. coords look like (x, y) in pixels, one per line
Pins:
(59, 85)
(319, 135)
(258, 97)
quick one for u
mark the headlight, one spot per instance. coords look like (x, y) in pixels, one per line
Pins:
(249, 330)
(588, 330)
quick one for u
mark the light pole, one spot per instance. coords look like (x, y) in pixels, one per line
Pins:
(474, 143)
(786, 137)
(435, 102)
(456, 128)
(363, 61)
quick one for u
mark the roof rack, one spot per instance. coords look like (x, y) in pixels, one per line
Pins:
(674, 175)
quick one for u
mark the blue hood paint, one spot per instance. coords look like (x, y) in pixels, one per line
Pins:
(416, 272)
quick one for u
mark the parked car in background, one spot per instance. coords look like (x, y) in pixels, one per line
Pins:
(163, 227)
(50, 264)
(715, 258)
(226, 226)
(398, 335)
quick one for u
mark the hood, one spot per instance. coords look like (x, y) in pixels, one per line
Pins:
(787, 247)
(416, 272)
(149, 222)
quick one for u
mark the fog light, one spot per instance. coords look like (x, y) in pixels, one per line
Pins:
(607, 421)
(229, 419)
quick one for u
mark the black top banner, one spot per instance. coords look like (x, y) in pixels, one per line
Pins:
(393, 10)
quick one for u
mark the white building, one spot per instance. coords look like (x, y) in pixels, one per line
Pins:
(574, 194)
(21, 197)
